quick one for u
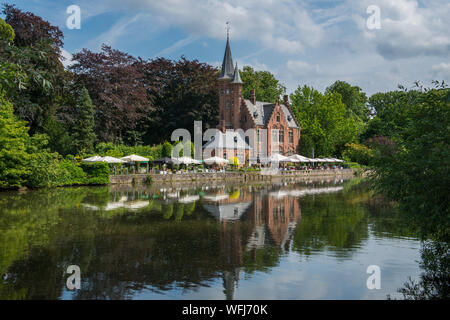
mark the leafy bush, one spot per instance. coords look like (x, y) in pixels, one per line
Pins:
(357, 153)
(48, 170)
(97, 172)
(77, 175)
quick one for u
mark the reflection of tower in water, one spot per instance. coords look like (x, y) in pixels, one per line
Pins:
(269, 221)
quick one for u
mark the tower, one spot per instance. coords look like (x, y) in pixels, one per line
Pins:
(230, 92)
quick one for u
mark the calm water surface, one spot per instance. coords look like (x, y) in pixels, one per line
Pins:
(286, 240)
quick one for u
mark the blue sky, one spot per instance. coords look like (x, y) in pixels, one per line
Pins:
(301, 42)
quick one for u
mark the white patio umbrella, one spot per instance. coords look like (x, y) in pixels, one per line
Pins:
(215, 160)
(276, 157)
(187, 160)
(109, 159)
(299, 158)
(93, 159)
(134, 158)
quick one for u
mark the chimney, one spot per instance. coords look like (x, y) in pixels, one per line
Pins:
(253, 96)
(286, 100)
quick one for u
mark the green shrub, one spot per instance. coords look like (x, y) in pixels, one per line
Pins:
(351, 165)
(77, 175)
(97, 172)
(357, 153)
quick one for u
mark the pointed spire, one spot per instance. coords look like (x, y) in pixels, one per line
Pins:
(236, 76)
(227, 64)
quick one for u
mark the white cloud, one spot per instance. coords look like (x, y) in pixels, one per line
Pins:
(441, 71)
(407, 29)
(314, 43)
(177, 45)
(298, 66)
(283, 25)
(121, 28)
(66, 58)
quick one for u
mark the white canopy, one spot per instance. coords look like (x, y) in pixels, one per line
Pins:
(276, 157)
(134, 158)
(187, 160)
(109, 159)
(215, 160)
(299, 158)
(93, 159)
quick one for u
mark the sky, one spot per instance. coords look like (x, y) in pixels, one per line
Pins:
(309, 42)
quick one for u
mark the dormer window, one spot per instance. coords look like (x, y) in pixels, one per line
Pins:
(289, 118)
(255, 114)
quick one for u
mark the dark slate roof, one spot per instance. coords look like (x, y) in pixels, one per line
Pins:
(261, 112)
(236, 76)
(227, 64)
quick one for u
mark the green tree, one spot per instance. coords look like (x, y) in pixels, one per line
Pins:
(412, 167)
(353, 98)
(14, 139)
(6, 31)
(83, 130)
(325, 127)
(167, 149)
(267, 87)
(359, 153)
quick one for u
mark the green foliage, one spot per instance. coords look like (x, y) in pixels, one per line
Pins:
(97, 173)
(353, 98)
(59, 139)
(267, 87)
(392, 113)
(412, 167)
(325, 126)
(359, 153)
(166, 151)
(13, 147)
(83, 131)
(6, 31)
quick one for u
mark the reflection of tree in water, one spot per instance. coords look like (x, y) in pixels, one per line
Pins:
(434, 281)
(334, 221)
(164, 246)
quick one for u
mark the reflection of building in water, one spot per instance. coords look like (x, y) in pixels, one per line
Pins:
(251, 221)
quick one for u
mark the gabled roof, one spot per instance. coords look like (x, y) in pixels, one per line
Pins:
(261, 112)
(227, 64)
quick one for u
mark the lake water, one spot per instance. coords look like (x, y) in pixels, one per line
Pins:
(282, 240)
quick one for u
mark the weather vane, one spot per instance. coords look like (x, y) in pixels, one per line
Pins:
(228, 28)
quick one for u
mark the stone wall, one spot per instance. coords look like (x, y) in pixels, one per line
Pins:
(231, 176)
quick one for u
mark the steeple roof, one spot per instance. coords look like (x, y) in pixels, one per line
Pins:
(236, 76)
(227, 64)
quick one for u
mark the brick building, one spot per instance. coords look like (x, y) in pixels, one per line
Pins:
(273, 127)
